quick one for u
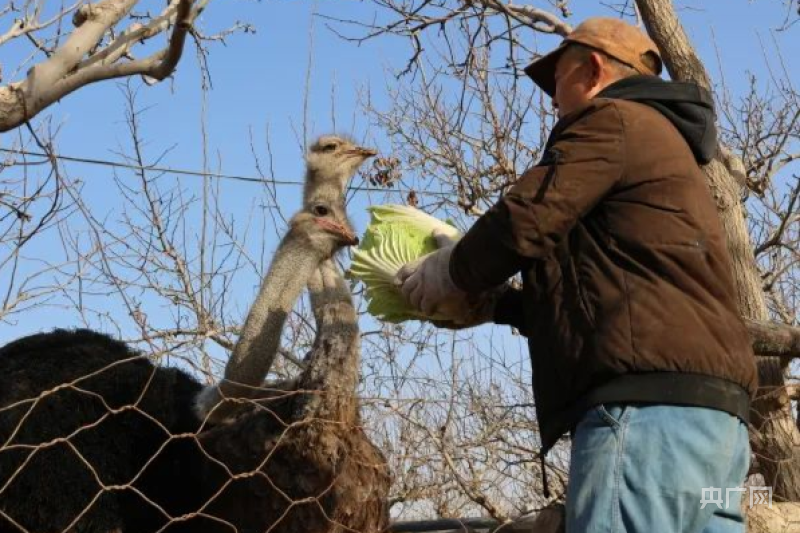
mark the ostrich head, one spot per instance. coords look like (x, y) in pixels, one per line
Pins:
(334, 157)
(323, 227)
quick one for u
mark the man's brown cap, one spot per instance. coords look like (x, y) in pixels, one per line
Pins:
(616, 38)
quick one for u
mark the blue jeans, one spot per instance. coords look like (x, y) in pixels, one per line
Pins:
(642, 469)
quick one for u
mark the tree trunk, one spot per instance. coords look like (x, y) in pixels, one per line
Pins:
(776, 436)
(781, 518)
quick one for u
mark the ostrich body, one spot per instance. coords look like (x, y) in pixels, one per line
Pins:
(50, 485)
(95, 439)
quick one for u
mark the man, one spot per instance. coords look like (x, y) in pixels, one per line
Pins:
(627, 294)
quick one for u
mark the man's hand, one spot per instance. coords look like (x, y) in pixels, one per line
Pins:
(426, 283)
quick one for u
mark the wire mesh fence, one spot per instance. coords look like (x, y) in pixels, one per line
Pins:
(93, 437)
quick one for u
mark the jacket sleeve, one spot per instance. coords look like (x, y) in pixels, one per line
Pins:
(583, 164)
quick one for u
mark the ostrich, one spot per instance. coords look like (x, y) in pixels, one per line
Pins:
(330, 163)
(357, 494)
(321, 472)
(95, 439)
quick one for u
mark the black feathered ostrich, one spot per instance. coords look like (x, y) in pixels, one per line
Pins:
(94, 438)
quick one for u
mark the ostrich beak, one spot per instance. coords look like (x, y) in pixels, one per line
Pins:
(345, 234)
(362, 152)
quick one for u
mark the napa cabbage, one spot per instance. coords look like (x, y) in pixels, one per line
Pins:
(396, 235)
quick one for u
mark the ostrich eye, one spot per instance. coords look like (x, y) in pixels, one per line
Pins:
(328, 148)
(320, 210)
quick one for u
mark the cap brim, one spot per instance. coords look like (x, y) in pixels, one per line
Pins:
(543, 70)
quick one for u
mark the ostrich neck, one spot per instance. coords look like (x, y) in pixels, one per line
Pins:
(333, 369)
(322, 185)
(294, 263)
(332, 372)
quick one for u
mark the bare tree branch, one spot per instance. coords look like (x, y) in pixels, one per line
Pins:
(66, 71)
(775, 340)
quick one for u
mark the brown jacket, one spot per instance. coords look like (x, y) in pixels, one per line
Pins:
(627, 288)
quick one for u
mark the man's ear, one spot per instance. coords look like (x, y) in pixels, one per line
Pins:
(597, 64)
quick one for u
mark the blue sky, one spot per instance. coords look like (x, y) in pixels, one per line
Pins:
(259, 82)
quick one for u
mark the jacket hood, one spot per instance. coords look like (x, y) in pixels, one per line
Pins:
(687, 105)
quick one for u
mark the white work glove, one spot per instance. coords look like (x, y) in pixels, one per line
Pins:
(426, 283)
